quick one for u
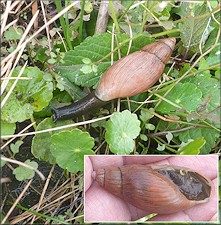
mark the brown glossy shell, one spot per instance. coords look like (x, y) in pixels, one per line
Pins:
(136, 72)
(150, 189)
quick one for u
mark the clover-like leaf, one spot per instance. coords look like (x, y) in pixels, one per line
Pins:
(15, 147)
(121, 130)
(69, 148)
(23, 173)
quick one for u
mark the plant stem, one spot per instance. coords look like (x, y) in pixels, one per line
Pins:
(168, 148)
(81, 20)
(113, 15)
(127, 9)
(64, 24)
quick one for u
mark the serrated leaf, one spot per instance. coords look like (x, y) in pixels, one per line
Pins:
(194, 30)
(193, 147)
(186, 95)
(15, 147)
(23, 173)
(94, 49)
(121, 130)
(210, 136)
(40, 146)
(28, 96)
(69, 148)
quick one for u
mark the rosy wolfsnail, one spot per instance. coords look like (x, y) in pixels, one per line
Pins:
(156, 189)
(131, 75)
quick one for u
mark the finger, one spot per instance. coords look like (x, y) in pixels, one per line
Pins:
(101, 206)
(99, 161)
(178, 217)
(143, 159)
(204, 164)
(88, 169)
(204, 212)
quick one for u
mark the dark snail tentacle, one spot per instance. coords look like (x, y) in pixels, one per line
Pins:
(79, 108)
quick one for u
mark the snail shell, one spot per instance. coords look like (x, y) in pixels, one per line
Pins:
(136, 72)
(156, 189)
(131, 75)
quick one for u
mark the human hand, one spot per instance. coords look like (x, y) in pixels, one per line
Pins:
(102, 206)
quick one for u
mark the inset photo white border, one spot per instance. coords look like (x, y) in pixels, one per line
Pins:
(102, 205)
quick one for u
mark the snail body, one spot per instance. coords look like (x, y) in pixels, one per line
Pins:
(131, 75)
(156, 189)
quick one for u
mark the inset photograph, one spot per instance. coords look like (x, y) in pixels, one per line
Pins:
(151, 188)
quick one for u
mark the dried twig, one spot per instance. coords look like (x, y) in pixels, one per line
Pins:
(102, 18)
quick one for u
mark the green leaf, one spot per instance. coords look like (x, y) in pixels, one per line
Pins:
(94, 49)
(209, 135)
(28, 96)
(86, 61)
(161, 147)
(194, 31)
(150, 126)
(146, 218)
(186, 95)
(145, 115)
(143, 137)
(15, 147)
(169, 137)
(16, 111)
(69, 148)
(13, 34)
(7, 128)
(208, 107)
(40, 147)
(23, 173)
(2, 162)
(121, 130)
(193, 147)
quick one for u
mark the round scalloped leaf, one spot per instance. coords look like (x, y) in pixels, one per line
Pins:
(40, 147)
(7, 128)
(121, 130)
(186, 95)
(69, 148)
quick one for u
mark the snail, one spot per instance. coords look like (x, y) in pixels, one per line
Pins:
(131, 75)
(156, 189)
